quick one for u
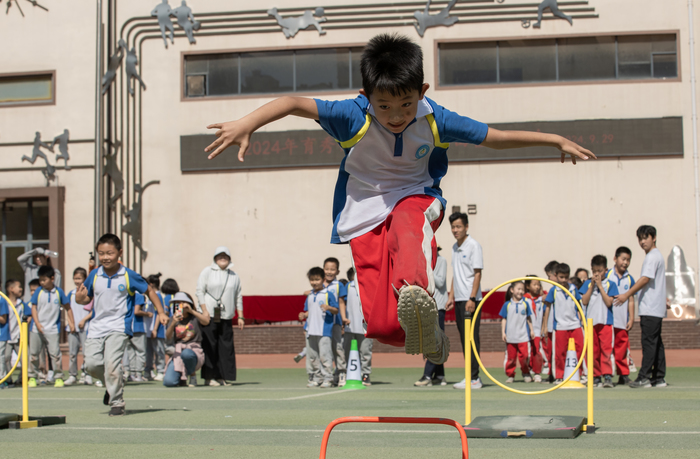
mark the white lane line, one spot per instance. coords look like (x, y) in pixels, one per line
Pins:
(182, 399)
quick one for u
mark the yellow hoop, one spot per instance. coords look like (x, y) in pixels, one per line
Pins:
(580, 360)
(19, 323)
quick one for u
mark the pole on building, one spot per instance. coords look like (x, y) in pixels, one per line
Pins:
(694, 122)
(98, 124)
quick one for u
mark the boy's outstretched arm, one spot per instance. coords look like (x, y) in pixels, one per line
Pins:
(238, 132)
(501, 140)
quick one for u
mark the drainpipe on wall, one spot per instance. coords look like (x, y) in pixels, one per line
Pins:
(98, 125)
(694, 120)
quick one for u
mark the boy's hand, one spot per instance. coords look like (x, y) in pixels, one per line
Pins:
(302, 317)
(164, 319)
(154, 333)
(630, 324)
(325, 307)
(81, 295)
(544, 337)
(346, 321)
(39, 328)
(71, 327)
(230, 133)
(150, 314)
(81, 325)
(503, 337)
(241, 323)
(450, 304)
(567, 147)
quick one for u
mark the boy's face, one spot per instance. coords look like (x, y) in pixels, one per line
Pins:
(316, 283)
(15, 289)
(551, 275)
(331, 270)
(395, 112)
(622, 262)
(647, 243)
(459, 229)
(598, 271)
(563, 279)
(32, 288)
(78, 279)
(109, 256)
(46, 282)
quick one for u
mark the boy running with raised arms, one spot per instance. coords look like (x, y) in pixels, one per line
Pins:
(388, 203)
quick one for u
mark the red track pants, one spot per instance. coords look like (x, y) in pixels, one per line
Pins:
(401, 249)
(521, 352)
(535, 356)
(602, 349)
(622, 345)
(547, 349)
(561, 345)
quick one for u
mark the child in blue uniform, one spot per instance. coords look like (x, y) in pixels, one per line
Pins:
(320, 309)
(516, 331)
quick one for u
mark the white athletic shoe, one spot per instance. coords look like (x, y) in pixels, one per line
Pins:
(70, 381)
(510, 380)
(210, 382)
(527, 379)
(341, 379)
(312, 384)
(326, 384)
(158, 377)
(460, 385)
(418, 317)
(476, 383)
(538, 378)
(98, 383)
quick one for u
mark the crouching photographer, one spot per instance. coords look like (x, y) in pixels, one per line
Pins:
(185, 331)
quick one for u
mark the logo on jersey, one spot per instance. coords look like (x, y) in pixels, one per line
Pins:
(422, 151)
(122, 287)
(55, 301)
(627, 287)
(523, 312)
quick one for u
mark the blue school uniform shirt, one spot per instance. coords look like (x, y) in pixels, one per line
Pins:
(339, 291)
(320, 322)
(621, 313)
(114, 299)
(380, 168)
(516, 314)
(596, 308)
(5, 328)
(566, 315)
(48, 304)
(138, 326)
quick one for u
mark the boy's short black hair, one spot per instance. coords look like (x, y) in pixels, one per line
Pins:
(351, 273)
(392, 63)
(576, 281)
(34, 283)
(154, 280)
(582, 270)
(81, 271)
(563, 268)
(46, 271)
(551, 266)
(9, 283)
(645, 231)
(622, 249)
(111, 239)
(599, 260)
(170, 287)
(459, 216)
(316, 272)
(332, 260)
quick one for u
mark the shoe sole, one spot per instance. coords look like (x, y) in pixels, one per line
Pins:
(418, 317)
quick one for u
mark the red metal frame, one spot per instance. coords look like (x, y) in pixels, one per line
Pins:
(447, 422)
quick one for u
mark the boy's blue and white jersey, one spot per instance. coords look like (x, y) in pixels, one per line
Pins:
(621, 313)
(380, 168)
(339, 290)
(137, 324)
(150, 322)
(516, 314)
(538, 309)
(353, 310)
(5, 328)
(79, 312)
(113, 300)
(11, 324)
(320, 322)
(596, 308)
(566, 315)
(48, 306)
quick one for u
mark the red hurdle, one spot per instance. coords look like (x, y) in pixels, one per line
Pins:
(389, 420)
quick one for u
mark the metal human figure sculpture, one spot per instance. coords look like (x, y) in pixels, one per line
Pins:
(186, 20)
(62, 140)
(131, 62)
(554, 8)
(133, 226)
(111, 170)
(426, 20)
(115, 61)
(680, 285)
(163, 12)
(292, 25)
(49, 171)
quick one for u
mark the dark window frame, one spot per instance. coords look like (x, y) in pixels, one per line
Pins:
(442, 87)
(25, 103)
(239, 51)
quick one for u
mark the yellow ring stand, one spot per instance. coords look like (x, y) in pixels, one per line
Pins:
(580, 360)
(19, 324)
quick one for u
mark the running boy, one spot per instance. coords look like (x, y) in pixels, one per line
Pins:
(45, 330)
(388, 202)
(320, 308)
(566, 322)
(516, 331)
(652, 310)
(76, 339)
(597, 295)
(113, 288)
(623, 314)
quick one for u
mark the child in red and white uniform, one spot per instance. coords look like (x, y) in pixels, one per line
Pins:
(597, 295)
(623, 314)
(534, 295)
(516, 331)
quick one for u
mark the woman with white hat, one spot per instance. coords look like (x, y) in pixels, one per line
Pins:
(219, 289)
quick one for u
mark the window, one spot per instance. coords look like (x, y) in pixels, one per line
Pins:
(24, 225)
(26, 89)
(562, 59)
(272, 72)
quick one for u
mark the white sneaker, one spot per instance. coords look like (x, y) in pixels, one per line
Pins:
(210, 382)
(312, 384)
(460, 385)
(82, 379)
(527, 379)
(476, 383)
(510, 380)
(50, 377)
(88, 380)
(538, 378)
(159, 377)
(418, 316)
(341, 379)
(98, 383)
(633, 368)
(326, 384)
(70, 381)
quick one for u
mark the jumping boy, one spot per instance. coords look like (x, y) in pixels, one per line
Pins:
(597, 295)
(623, 314)
(652, 310)
(388, 201)
(46, 303)
(113, 288)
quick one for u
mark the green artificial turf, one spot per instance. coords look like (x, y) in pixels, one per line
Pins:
(271, 414)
